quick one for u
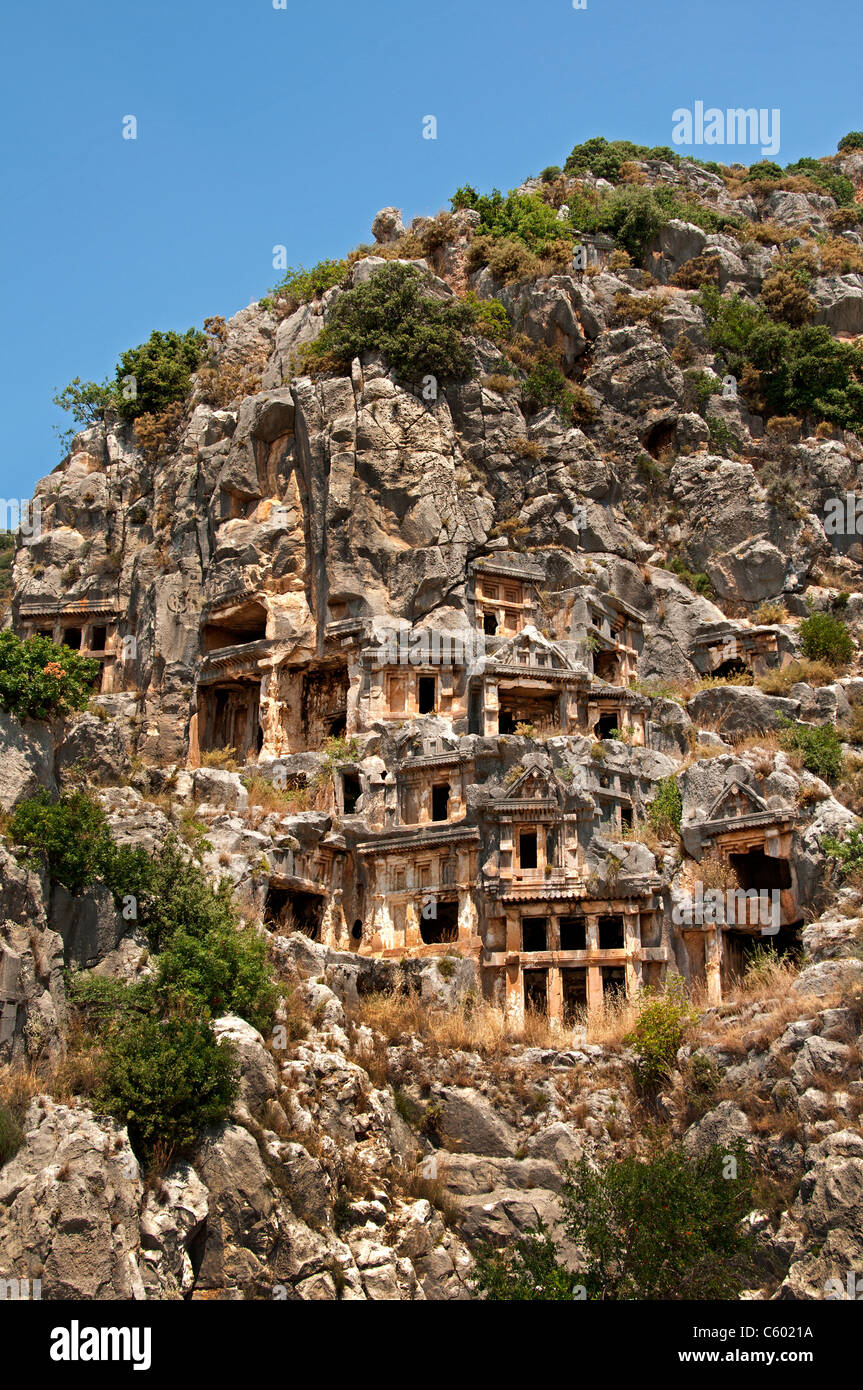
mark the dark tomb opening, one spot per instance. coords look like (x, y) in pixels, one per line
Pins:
(426, 694)
(291, 909)
(534, 934)
(757, 870)
(573, 934)
(443, 926)
(611, 933)
(607, 725)
(440, 801)
(613, 981)
(527, 849)
(351, 792)
(574, 988)
(536, 991)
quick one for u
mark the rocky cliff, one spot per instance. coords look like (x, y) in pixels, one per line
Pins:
(471, 685)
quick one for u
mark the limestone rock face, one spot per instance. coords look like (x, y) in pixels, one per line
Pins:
(26, 760)
(69, 1204)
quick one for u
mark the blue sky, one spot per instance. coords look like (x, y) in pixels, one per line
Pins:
(259, 126)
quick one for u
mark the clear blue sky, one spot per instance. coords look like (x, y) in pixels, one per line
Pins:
(259, 126)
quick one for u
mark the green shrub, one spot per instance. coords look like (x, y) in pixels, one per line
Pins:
(394, 313)
(300, 285)
(224, 971)
(171, 893)
(662, 1024)
(820, 747)
(786, 371)
(847, 852)
(70, 834)
(668, 1228)
(11, 1135)
(162, 369)
(489, 316)
(167, 1079)
(508, 260)
(852, 141)
(39, 680)
(528, 1271)
(825, 638)
(520, 217)
(665, 811)
(605, 158)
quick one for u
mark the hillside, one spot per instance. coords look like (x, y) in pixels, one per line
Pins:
(431, 718)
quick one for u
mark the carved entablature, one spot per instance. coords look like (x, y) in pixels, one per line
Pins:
(739, 820)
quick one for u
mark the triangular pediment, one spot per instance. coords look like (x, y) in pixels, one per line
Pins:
(535, 784)
(530, 648)
(734, 801)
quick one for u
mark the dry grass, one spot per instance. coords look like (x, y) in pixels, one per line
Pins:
(268, 798)
(222, 758)
(771, 613)
(780, 681)
(484, 1028)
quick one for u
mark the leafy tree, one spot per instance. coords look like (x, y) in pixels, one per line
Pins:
(39, 680)
(605, 158)
(825, 638)
(669, 1228)
(161, 369)
(71, 835)
(86, 400)
(167, 1079)
(395, 314)
(852, 141)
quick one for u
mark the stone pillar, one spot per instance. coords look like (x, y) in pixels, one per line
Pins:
(514, 991)
(713, 944)
(594, 972)
(594, 987)
(555, 996)
(632, 943)
(467, 917)
(413, 936)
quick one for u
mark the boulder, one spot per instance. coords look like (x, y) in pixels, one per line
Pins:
(468, 1123)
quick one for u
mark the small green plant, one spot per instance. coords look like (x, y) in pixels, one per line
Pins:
(819, 747)
(665, 1227)
(299, 286)
(662, 1025)
(39, 680)
(665, 811)
(825, 638)
(847, 852)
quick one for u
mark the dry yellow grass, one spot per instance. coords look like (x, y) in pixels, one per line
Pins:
(485, 1028)
(779, 682)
